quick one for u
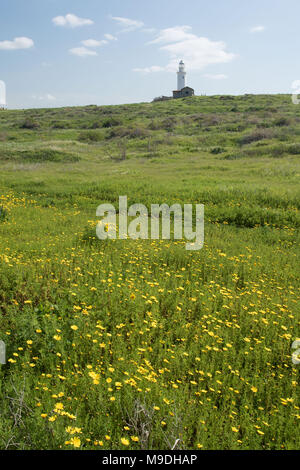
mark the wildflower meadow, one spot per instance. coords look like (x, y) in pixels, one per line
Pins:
(141, 344)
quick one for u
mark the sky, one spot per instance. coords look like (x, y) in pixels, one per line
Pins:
(78, 52)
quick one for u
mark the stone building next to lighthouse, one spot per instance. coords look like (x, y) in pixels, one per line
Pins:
(182, 90)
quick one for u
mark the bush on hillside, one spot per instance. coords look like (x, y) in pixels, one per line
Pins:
(47, 155)
(130, 133)
(60, 125)
(255, 136)
(110, 122)
(294, 149)
(29, 124)
(217, 150)
(90, 137)
(282, 121)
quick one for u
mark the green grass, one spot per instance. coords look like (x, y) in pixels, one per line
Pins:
(135, 344)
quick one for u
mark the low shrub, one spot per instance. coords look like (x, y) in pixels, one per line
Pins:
(47, 155)
(130, 133)
(154, 126)
(294, 149)
(110, 122)
(29, 124)
(217, 150)
(7, 155)
(277, 151)
(95, 125)
(281, 121)
(90, 137)
(60, 125)
(255, 136)
(168, 124)
(3, 214)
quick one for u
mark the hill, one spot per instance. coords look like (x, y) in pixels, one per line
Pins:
(135, 344)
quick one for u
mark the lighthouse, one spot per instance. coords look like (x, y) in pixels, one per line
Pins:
(182, 91)
(181, 74)
(2, 95)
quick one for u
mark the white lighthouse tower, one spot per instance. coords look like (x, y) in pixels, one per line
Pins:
(181, 74)
(2, 95)
(182, 91)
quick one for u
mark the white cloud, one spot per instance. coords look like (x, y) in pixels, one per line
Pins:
(153, 68)
(198, 52)
(110, 37)
(127, 23)
(178, 33)
(94, 43)
(217, 76)
(257, 29)
(89, 44)
(16, 43)
(82, 52)
(50, 97)
(71, 20)
(46, 97)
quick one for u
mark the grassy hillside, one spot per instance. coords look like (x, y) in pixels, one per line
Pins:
(135, 344)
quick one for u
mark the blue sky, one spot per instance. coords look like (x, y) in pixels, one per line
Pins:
(78, 52)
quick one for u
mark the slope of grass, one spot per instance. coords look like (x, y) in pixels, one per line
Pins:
(135, 344)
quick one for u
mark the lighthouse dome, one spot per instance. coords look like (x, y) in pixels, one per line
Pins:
(181, 66)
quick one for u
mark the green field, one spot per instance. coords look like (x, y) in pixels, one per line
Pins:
(123, 344)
